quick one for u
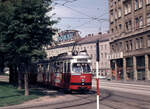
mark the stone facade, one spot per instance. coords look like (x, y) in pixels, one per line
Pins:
(130, 39)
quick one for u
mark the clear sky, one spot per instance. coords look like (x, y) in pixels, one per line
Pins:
(87, 16)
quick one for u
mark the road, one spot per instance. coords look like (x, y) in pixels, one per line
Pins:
(114, 96)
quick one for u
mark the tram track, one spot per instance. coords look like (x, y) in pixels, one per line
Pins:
(115, 102)
(88, 98)
(139, 102)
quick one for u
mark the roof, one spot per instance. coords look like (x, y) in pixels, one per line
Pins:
(94, 38)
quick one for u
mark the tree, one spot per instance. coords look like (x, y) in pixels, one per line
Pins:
(29, 31)
(6, 11)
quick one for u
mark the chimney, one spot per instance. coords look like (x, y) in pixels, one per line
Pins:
(89, 34)
(100, 33)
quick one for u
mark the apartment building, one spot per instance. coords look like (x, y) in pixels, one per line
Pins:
(130, 39)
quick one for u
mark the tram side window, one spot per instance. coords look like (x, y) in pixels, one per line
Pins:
(42, 68)
(55, 67)
(68, 70)
(65, 68)
(61, 67)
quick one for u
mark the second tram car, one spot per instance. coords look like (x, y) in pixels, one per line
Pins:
(69, 71)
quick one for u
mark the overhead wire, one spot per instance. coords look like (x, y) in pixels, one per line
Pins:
(79, 12)
(82, 13)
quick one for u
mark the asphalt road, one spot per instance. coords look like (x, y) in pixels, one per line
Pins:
(113, 96)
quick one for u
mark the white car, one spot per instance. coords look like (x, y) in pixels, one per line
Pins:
(102, 77)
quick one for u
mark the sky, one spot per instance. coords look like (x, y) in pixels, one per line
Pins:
(86, 16)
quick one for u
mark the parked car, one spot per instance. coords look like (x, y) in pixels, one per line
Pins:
(102, 77)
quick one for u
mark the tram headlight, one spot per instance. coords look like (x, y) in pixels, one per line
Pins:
(82, 80)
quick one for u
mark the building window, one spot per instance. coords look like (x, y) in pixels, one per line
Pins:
(148, 41)
(102, 55)
(112, 30)
(105, 55)
(117, 47)
(126, 9)
(141, 42)
(111, 16)
(101, 47)
(129, 7)
(120, 26)
(147, 2)
(119, 12)
(112, 48)
(128, 25)
(148, 18)
(105, 46)
(120, 46)
(84, 48)
(137, 43)
(140, 21)
(116, 16)
(91, 56)
(116, 28)
(131, 45)
(136, 4)
(140, 3)
(127, 46)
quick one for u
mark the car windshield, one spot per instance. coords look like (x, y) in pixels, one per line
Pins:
(81, 68)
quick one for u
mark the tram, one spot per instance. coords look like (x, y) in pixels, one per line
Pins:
(69, 71)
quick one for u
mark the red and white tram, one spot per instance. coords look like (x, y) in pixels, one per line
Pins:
(68, 71)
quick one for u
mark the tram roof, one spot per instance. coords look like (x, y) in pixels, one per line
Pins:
(67, 56)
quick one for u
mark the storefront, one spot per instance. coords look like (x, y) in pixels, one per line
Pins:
(140, 62)
(130, 72)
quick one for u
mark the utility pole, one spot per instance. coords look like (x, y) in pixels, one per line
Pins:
(97, 78)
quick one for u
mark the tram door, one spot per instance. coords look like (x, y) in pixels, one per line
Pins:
(66, 74)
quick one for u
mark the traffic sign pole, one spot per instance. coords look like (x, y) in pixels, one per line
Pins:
(97, 80)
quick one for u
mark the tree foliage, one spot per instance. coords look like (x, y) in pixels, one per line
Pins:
(25, 28)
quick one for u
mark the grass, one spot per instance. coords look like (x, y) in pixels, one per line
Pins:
(9, 95)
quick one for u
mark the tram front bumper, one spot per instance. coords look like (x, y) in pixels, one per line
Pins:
(80, 86)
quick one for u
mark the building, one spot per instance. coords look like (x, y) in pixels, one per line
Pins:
(64, 42)
(87, 43)
(130, 39)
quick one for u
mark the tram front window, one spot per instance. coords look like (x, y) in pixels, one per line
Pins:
(81, 68)
(86, 68)
(77, 68)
